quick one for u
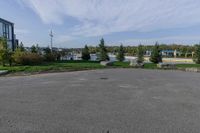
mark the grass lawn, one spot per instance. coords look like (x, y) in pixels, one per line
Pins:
(64, 66)
(127, 65)
(78, 66)
(56, 66)
(188, 65)
(150, 66)
(122, 64)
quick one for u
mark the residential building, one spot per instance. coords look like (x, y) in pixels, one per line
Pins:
(165, 53)
(7, 31)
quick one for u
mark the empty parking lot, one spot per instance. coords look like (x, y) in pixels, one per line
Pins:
(118, 100)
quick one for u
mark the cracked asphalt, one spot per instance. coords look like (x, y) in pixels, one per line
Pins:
(98, 101)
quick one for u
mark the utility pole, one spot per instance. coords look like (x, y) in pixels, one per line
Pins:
(51, 36)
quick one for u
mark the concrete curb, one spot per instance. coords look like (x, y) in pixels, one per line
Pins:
(192, 70)
(3, 72)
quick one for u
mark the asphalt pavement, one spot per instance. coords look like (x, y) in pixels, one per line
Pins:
(98, 101)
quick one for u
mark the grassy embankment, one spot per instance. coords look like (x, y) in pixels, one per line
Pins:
(68, 66)
(55, 66)
(78, 66)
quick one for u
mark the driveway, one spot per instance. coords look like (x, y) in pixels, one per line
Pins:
(118, 100)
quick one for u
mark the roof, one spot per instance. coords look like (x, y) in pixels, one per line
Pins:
(6, 21)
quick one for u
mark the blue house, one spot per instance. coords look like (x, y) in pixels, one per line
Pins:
(7, 31)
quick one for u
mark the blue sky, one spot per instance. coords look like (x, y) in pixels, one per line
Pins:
(79, 22)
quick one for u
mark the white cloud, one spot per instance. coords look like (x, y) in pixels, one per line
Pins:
(179, 39)
(64, 38)
(101, 17)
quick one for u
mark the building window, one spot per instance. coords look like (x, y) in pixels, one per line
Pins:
(10, 32)
(6, 31)
(1, 29)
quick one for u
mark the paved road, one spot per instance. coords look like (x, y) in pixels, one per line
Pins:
(118, 100)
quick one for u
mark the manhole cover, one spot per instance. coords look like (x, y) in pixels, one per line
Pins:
(103, 78)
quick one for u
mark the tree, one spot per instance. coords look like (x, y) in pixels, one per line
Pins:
(86, 53)
(56, 55)
(63, 53)
(47, 50)
(49, 55)
(4, 51)
(10, 57)
(140, 54)
(21, 47)
(197, 54)
(17, 56)
(156, 55)
(120, 55)
(38, 49)
(33, 49)
(103, 51)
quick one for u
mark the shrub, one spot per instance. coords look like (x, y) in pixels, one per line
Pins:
(31, 59)
(17, 56)
(50, 57)
(25, 58)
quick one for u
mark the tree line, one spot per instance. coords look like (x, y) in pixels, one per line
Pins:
(20, 56)
(139, 51)
(185, 50)
(33, 57)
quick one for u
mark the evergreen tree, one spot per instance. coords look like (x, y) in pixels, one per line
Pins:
(120, 55)
(33, 49)
(86, 53)
(47, 50)
(156, 55)
(103, 51)
(140, 54)
(38, 49)
(21, 47)
(49, 55)
(197, 54)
